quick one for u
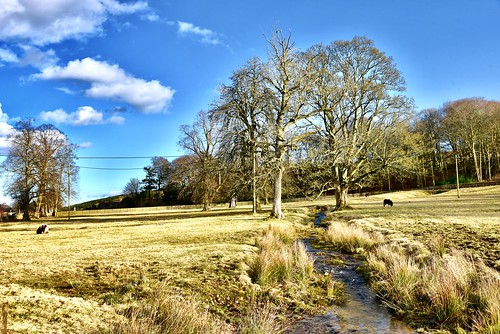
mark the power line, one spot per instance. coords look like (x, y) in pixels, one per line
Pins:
(127, 157)
(109, 168)
(115, 157)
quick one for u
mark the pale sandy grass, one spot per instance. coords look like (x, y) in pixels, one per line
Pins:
(350, 238)
(455, 291)
(117, 262)
(38, 311)
(167, 311)
(279, 258)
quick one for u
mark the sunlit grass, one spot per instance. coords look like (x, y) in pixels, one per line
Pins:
(115, 262)
(349, 238)
(86, 273)
(419, 272)
(165, 311)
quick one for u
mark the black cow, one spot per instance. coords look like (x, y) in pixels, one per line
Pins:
(387, 202)
(44, 228)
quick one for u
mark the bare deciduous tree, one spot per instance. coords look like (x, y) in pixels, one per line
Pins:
(357, 96)
(38, 162)
(202, 140)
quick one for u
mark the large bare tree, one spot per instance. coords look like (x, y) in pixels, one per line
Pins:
(241, 111)
(288, 80)
(38, 163)
(201, 139)
(357, 97)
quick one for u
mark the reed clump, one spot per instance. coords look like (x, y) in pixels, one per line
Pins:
(263, 319)
(165, 311)
(349, 237)
(454, 291)
(279, 258)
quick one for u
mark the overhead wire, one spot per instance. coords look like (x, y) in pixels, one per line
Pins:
(114, 158)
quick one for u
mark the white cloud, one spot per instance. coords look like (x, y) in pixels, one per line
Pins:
(115, 7)
(37, 58)
(7, 56)
(5, 130)
(206, 35)
(85, 115)
(111, 82)
(86, 144)
(52, 21)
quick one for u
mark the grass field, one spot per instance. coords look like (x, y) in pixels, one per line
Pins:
(80, 276)
(471, 222)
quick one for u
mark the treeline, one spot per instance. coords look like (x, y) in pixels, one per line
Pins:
(39, 169)
(331, 119)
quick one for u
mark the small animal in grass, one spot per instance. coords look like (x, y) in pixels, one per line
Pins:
(387, 202)
(44, 228)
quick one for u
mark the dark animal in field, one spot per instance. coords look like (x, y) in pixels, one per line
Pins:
(44, 228)
(387, 202)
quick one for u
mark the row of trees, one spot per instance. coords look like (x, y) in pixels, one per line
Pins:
(39, 168)
(331, 118)
(324, 113)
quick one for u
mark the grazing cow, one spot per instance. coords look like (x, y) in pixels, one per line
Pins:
(44, 228)
(387, 202)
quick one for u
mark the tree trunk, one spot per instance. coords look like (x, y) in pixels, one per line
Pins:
(26, 205)
(341, 197)
(476, 163)
(276, 211)
(206, 206)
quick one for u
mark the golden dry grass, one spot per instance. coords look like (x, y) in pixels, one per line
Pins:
(429, 267)
(116, 260)
(80, 276)
(471, 222)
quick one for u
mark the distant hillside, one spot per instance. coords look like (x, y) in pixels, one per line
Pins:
(107, 202)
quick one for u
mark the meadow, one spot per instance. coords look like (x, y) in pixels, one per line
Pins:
(88, 273)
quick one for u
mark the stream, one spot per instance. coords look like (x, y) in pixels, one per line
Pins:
(361, 313)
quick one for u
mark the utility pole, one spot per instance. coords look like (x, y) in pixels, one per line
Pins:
(69, 191)
(458, 182)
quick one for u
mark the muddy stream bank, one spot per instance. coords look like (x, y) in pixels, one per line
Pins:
(361, 313)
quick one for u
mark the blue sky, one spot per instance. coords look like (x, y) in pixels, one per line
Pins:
(119, 77)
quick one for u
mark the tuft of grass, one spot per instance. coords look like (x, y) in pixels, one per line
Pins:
(263, 319)
(277, 262)
(454, 291)
(280, 231)
(397, 276)
(350, 238)
(167, 312)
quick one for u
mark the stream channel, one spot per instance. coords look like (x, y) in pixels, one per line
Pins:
(361, 313)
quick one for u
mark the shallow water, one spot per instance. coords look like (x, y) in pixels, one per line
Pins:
(362, 313)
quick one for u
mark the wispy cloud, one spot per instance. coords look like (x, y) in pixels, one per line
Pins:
(204, 35)
(52, 21)
(82, 116)
(7, 56)
(5, 130)
(111, 82)
(86, 144)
